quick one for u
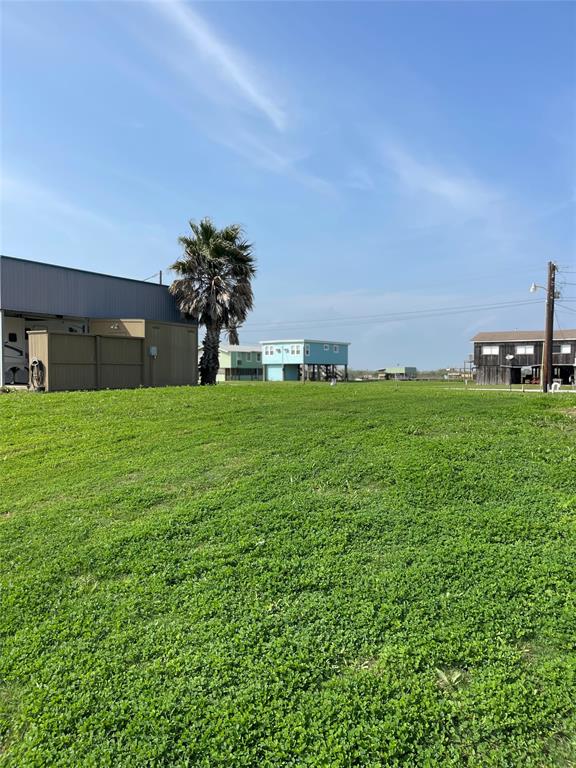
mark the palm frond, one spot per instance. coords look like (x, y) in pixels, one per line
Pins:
(214, 275)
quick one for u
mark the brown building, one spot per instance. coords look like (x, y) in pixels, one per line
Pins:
(61, 317)
(116, 354)
(515, 357)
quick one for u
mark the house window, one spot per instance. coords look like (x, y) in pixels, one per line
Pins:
(490, 350)
(293, 349)
(336, 348)
(326, 347)
(258, 356)
(525, 350)
(12, 337)
(307, 350)
(298, 349)
(561, 349)
(248, 356)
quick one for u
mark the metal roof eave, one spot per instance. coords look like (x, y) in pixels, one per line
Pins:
(306, 341)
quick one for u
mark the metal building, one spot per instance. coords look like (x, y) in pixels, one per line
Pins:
(43, 297)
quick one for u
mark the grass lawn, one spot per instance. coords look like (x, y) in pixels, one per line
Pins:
(288, 575)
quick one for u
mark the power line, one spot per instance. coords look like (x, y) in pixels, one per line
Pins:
(560, 328)
(566, 309)
(386, 317)
(511, 272)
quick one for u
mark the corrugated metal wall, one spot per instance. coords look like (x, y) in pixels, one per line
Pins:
(29, 286)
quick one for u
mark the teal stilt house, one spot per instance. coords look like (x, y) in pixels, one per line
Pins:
(304, 359)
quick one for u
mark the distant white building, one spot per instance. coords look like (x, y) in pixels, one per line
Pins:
(398, 373)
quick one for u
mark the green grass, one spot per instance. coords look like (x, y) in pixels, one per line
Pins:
(288, 575)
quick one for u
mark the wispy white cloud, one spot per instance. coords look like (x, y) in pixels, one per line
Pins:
(456, 213)
(462, 213)
(462, 193)
(39, 198)
(285, 161)
(230, 66)
(231, 89)
(360, 179)
(36, 218)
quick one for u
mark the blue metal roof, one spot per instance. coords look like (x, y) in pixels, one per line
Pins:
(46, 289)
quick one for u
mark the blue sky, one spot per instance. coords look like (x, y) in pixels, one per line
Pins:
(384, 157)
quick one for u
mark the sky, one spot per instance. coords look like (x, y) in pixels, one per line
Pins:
(405, 170)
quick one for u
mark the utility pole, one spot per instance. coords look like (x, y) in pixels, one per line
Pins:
(549, 328)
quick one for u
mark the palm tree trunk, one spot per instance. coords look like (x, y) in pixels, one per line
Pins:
(209, 363)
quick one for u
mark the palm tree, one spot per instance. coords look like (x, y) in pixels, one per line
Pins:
(214, 285)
